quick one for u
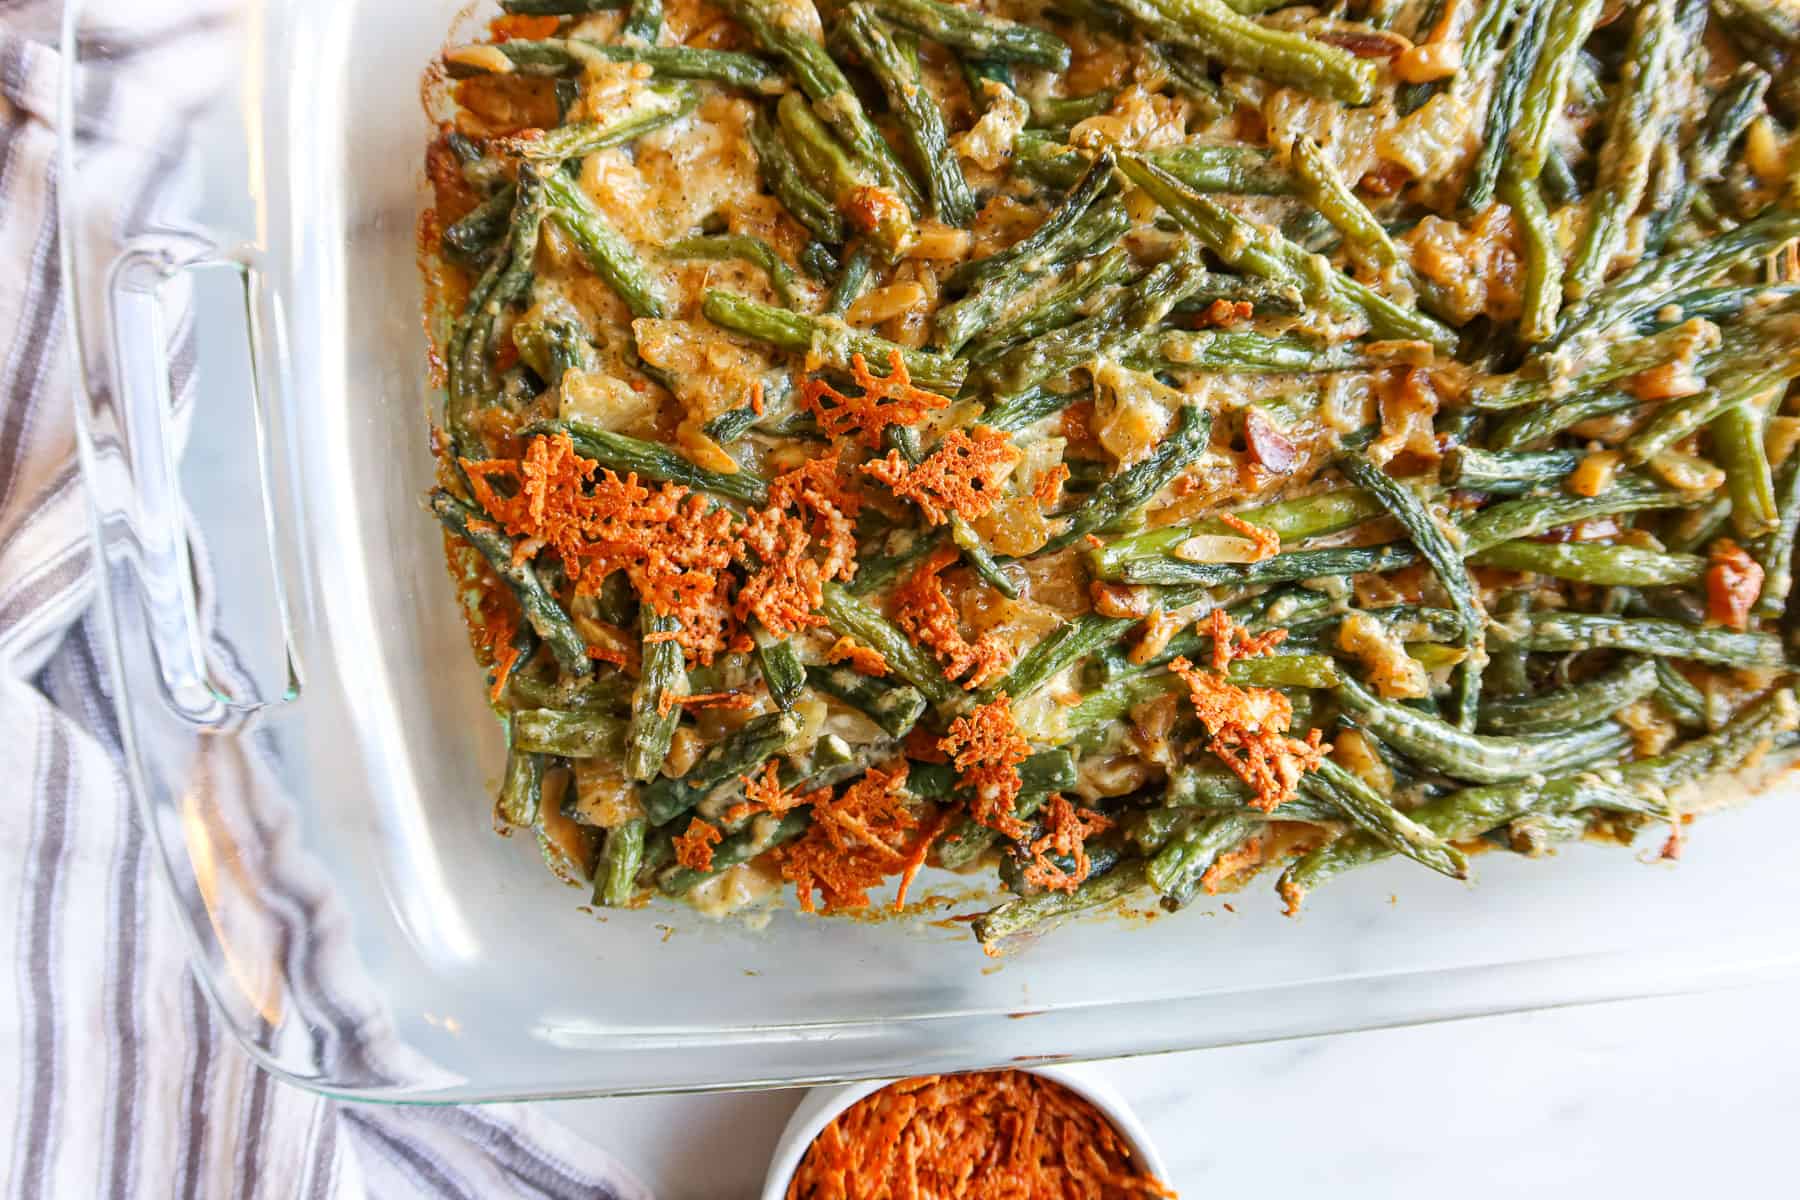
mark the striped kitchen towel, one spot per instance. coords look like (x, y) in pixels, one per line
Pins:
(116, 1077)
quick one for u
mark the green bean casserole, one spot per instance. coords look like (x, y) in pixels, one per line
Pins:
(1123, 445)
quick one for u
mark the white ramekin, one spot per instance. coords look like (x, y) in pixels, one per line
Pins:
(823, 1104)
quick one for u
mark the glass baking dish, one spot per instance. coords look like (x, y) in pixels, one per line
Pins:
(324, 819)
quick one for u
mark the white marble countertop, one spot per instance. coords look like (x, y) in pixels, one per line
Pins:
(1674, 1096)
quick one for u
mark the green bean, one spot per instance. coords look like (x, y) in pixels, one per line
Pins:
(850, 617)
(1684, 702)
(1062, 113)
(1566, 707)
(778, 29)
(1240, 352)
(749, 248)
(1730, 388)
(1482, 759)
(1504, 472)
(853, 281)
(894, 707)
(785, 180)
(967, 840)
(1291, 520)
(1569, 25)
(738, 848)
(654, 713)
(1634, 126)
(1176, 870)
(976, 313)
(1326, 191)
(470, 239)
(980, 35)
(832, 171)
(1597, 563)
(1238, 43)
(1531, 515)
(1064, 646)
(894, 61)
(1128, 491)
(738, 753)
(649, 109)
(1691, 340)
(1737, 446)
(832, 341)
(625, 455)
(874, 573)
(540, 608)
(558, 56)
(568, 733)
(1776, 551)
(1511, 84)
(1382, 821)
(1026, 408)
(1649, 285)
(1531, 425)
(1116, 699)
(473, 379)
(1048, 909)
(1634, 788)
(1542, 293)
(522, 786)
(606, 692)
(1267, 254)
(782, 671)
(1282, 568)
(1043, 245)
(1565, 632)
(1042, 773)
(1733, 108)
(621, 857)
(1051, 310)
(1405, 506)
(608, 254)
(1239, 170)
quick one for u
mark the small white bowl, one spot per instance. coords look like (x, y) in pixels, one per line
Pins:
(823, 1104)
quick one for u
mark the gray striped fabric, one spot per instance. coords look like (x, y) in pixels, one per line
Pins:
(116, 1078)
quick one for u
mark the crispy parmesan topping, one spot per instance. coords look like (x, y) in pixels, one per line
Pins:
(882, 401)
(1049, 487)
(668, 701)
(986, 748)
(864, 659)
(1248, 726)
(1232, 641)
(1066, 830)
(926, 615)
(693, 849)
(766, 795)
(674, 547)
(855, 841)
(809, 509)
(988, 1135)
(962, 476)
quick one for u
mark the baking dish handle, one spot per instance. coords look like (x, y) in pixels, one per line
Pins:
(155, 524)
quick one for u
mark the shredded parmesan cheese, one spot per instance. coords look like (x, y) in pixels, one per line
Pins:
(989, 1135)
